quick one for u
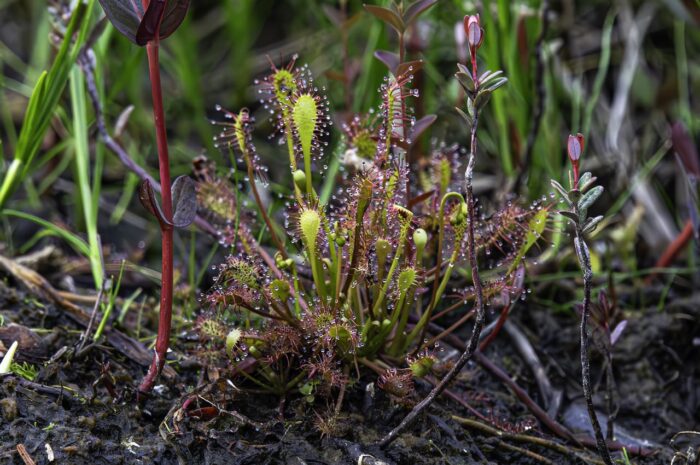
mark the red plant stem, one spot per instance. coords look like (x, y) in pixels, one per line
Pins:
(673, 249)
(472, 52)
(166, 290)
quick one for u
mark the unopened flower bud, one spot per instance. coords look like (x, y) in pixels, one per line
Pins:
(475, 35)
(574, 147)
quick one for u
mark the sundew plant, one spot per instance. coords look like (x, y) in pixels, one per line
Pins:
(350, 286)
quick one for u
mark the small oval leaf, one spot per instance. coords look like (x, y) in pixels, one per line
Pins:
(617, 332)
(147, 196)
(184, 201)
(590, 197)
(124, 15)
(388, 16)
(162, 17)
(416, 9)
(139, 25)
(390, 60)
(420, 126)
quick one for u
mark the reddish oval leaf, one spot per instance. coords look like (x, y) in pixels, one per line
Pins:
(388, 16)
(148, 199)
(125, 15)
(420, 126)
(162, 17)
(416, 9)
(390, 59)
(409, 67)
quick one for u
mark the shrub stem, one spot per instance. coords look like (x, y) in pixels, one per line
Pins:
(585, 263)
(478, 325)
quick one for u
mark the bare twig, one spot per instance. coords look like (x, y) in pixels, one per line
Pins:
(521, 438)
(24, 455)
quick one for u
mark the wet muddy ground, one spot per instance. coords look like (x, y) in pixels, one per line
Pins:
(80, 407)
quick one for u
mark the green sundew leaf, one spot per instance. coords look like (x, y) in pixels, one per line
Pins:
(232, 339)
(305, 115)
(535, 228)
(491, 86)
(589, 198)
(406, 279)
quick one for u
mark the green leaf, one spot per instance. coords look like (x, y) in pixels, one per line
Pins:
(466, 117)
(45, 97)
(562, 193)
(589, 198)
(75, 241)
(570, 215)
(592, 224)
(406, 279)
(584, 179)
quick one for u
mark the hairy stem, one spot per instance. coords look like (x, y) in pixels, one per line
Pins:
(478, 325)
(166, 290)
(585, 262)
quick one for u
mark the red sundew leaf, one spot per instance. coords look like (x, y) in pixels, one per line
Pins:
(416, 9)
(388, 16)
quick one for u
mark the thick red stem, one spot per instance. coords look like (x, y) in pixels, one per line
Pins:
(166, 290)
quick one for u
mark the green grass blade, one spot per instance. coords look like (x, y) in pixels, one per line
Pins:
(73, 240)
